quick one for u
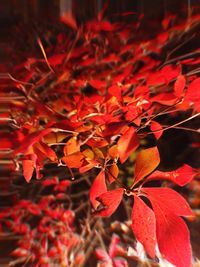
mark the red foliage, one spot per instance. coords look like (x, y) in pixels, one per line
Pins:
(99, 121)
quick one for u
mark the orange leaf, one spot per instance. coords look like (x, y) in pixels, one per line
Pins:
(113, 152)
(88, 153)
(28, 166)
(113, 171)
(147, 160)
(71, 146)
(74, 160)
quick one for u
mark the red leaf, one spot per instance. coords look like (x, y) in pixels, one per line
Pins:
(181, 176)
(115, 90)
(49, 182)
(31, 139)
(142, 91)
(172, 236)
(47, 151)
(113, 248)
(97, 84)
(98, 188)
(127, 143)
(147, 160)
(179, 85)
(102, 255)
(56, 59)
(62, 185)
(111, 201)
(167, 99)
(193, 94)
(97, 142)
(144, 225)
(163, 37)
(114, 128)
(169, 200)
(156, 128)
(120, 262)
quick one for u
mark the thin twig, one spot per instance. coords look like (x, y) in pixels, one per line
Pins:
(44, 54)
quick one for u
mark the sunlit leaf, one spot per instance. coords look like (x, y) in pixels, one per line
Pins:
(127, 143)
(179, 85)
(74, 160)
(170, 200)
(98, 188)
(144, 225)
(110, 200)
(180, 176)
(113, 172)
(147, 160)
(172, 233)
(156, 128)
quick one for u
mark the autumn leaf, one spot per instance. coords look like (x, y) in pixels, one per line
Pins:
(113, 152)
(157, 129)
(113, 172)
(173, 238)
(147, 160)
(171, 231)
(115, 90)
(56, 60)
(144, 225)
(31, 139)
(74, 160)
(46, 150)
(114, 128)
(180, 176)
(62, 186)
(179, 86)
(193, 94)
(169, 199)
(71, 146)
(102, 255)
(97, 84)
(50, 182)
(110, 200)
(28, 165)
(127, 143)
(167, 99)
(98, 188)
